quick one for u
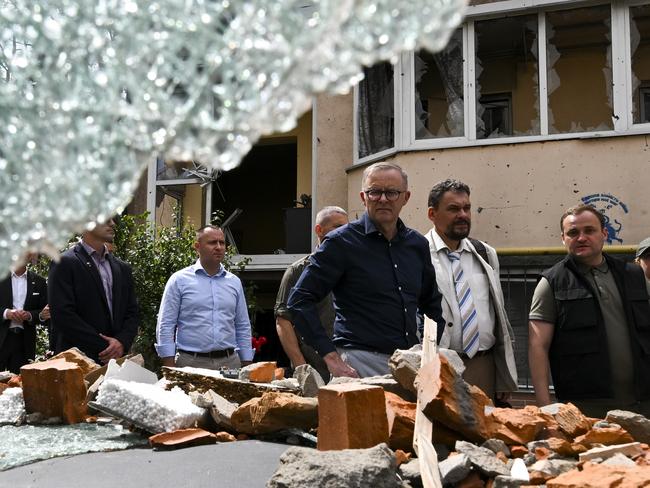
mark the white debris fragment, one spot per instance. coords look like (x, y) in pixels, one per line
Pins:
(148, 405)
(12, 406)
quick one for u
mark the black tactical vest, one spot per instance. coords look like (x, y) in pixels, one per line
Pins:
(579, 356)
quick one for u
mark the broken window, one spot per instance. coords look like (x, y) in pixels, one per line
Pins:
(507, 81)
(579, 70)
(376, 110)
(640, 65)
(439, 102)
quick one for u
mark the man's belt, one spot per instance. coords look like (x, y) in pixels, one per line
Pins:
(16, 330)
(484, 352)
(212, 354)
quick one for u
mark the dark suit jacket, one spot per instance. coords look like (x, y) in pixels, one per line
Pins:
(79, 308)
(35, 300)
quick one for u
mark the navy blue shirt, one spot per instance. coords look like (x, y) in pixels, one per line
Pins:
(377, 285)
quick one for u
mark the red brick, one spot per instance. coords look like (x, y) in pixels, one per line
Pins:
(401, 422)
(351, 416)
(55, 388)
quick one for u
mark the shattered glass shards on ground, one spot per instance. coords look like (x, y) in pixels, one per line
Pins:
(30, 443)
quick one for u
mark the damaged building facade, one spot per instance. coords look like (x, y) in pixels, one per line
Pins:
(536, 105)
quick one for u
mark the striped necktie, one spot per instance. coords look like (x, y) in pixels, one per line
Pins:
(466, 305)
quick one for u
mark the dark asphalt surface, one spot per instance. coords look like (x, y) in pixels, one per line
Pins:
(242, 464)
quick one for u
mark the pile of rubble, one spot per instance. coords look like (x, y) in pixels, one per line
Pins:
(363, 428)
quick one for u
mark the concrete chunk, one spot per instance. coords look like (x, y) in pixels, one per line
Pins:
(631, 449)
(483, 459)
(636, 424)
(302, 467)
(309, 380)
(454, 469)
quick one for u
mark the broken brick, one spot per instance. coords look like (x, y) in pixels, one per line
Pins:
(77, 357)
(182, 438)
(445, 397)
(55, 388)
(262, 372)
(351, 416)
(515, 426)
(401, 422)
(275, 411)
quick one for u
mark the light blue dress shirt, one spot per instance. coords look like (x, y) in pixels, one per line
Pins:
(203, 313)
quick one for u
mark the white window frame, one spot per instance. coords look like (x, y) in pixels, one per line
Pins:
(152, 188)
(404, 97)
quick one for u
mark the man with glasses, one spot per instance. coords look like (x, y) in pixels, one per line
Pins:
(590, 322)
(379, 272)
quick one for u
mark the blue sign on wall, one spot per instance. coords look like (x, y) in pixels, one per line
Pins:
(614, 211)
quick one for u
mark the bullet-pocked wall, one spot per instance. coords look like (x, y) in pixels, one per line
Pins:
(519, 191)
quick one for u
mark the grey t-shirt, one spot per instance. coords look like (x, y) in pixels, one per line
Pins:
(325, 312)
(611, 306)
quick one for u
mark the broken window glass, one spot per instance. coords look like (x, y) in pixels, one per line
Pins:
(179, 204)
(29, 443)
(579, 70)
(439, 91)
(507, 80)
(376, 110)
(640, 50)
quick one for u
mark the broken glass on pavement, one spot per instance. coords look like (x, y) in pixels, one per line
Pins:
(31, 443)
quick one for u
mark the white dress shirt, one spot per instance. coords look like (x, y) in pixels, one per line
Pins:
(19, 294)
(478, 284)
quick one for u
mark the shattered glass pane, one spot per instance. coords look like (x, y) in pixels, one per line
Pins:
(30, 443)
(579, 70)
(376, 110)
(178, 204)
(640, 49)
(439, 103)
(167, 169)
(90, 92)
(507, 81)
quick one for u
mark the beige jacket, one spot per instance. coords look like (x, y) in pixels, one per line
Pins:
(506, 370)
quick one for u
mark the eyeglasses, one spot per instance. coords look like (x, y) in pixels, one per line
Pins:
(375, 195)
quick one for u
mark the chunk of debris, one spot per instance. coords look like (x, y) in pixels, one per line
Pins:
(12, 406)
(636, 424)
(149, 406)
(74, 355)
(304, 467)
(182, 438)
(351, 416)
(599, 475)
(404, 366)
(401, 422)
(309, 380)
(447, 399)
(55, 388)
(262, 372)
(202, 380)
(275, 411)
(569, 418)
(631, 449)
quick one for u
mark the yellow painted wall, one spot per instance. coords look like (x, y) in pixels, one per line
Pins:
(519, 191)
(334, 150)
(193, 205)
